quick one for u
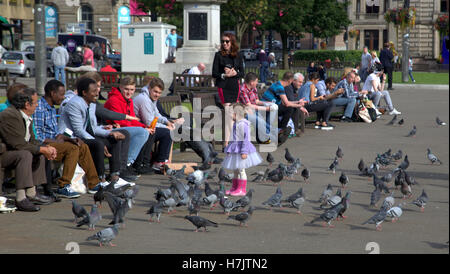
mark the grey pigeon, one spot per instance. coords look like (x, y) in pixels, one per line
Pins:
(130, 194)
(326, 194)
(260, 175)
(421, 201)
(91, 219)
(339, 153)
(211, 200)
(343, 179)
(381, 183)
(377, 219)
(375, 196)
(199, 222)
(298, 204)
(288, 156)
(224, 177)
(181, 188)
(306, 174)
(439, 122)
(178, 174)
(397, 156)
(164, 194)
(399, 178)
(243, 217)
(406, 190)
(329, 215)
(393, 120)
(170, 204)
(403, 165)
(275, 199)
(334, 165)
(410, 179)
(78, 211)
(197, 177)
(433, 158)
(246, 200)
(119, 207)
(208, 190)
(227, 205)
(99, 196)
(270, 159)
(401, 122)
(193, 208)
(106, 235)
(335, 199)
(413, 132)
(395, 212)
(276, 175)
(387, 178)
(295, 196)
(155, 210)
(361, 165)
(389, 201)
(345, 202)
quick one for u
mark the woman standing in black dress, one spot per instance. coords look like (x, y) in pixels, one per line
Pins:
(228, 69)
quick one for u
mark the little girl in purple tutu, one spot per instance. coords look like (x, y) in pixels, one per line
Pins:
(240, 152)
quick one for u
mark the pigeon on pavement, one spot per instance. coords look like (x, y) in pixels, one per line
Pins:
(334, 165)
(361, 165)
(433, 158)
(403, 165)
(246, 200)
(260, 175)
(288, 156)
(335, 199)
(224, 177)
(413, 132)
(339, 153)
(375, 196)
(389, 201)
(78, 211)
(343, 179)
(270, 159)
(326, 194)
(227, 205)
(106, 235)
(421, 201)
(439, 122)
(156, 209)
(295, 196)
(395, 212)
(393, 120)
(377, 219)
(401, 122)
(119, 207)
(306, 174)
(243, 217)
(406, 190)
(91, 219)
(275, 199)
(397, 156)
(329, 215)
(199, 222)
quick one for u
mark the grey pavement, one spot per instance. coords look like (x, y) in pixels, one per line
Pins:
(282, 230)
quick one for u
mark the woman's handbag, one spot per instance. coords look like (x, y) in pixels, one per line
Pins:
(363, 113)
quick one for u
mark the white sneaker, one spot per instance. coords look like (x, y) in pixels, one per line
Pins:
(395, 112)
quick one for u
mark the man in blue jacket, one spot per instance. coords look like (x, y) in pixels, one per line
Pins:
(171, 42)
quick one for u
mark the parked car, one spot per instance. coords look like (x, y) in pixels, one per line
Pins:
(50, 68)
(248, 54)
(23, 63)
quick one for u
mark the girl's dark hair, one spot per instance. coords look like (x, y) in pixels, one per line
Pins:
(234, 46)
(83, 85)
(314, 75)
(250, 77)
(22, 96)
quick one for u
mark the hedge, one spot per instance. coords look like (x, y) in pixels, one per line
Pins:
(353, 56)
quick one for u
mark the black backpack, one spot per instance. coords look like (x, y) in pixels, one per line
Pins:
(373, 114)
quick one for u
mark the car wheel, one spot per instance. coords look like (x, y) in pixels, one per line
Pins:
(27, 73)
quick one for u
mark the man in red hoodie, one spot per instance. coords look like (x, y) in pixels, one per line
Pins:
(120, 100)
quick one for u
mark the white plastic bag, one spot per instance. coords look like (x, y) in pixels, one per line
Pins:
(78, 183)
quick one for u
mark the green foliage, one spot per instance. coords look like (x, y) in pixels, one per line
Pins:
(328, 18)
(322, 55)
(170, 11)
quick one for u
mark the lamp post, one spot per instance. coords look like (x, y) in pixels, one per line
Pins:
(39, 46)
(405, 50)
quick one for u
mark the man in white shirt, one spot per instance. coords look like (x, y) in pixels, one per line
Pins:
(197, 70)
(376, 90)
(366, 58)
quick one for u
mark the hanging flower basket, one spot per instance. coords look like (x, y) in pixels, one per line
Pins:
(402, 17)
(353, 33)
(441, 24)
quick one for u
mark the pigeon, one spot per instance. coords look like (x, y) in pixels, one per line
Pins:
(270, 159)
(288, 156)
(306, 174)
(329, 215)
(346, 203)
(367, 172)
(395, 212)
(387, 178)
(193, 208)
(387, 154)
(246, 200)
(377, 219)
(213, 174)
(130, 194)
(389, 201)
(164, 194)
(361, 165)
(375, 166)
(413, 132)
(335, 199)
(99, 196)
(406, 190)
(106, 235)
(393, 120)
(399, 179)
(275, 199)
(170, 204)
(403, 165)
(401, 122)
(397, 156)
(421, 201)
(78, 211)
(197, 177)
(91, 219)
(375, 196)
(211, 200)
(381, 183)
(178, 174)
(224, 177)
(343, 179)
(439, 122)
(295, 196)
(339, 153)
(326, 194)
(334, 165)
(243, 217)
(199, 222)
(181, 189)
(260, 175)
(156, 209)
(433, 158)
(119, 207)
(227, 205)
(208, 190)
(298, 204)
(410, 179)
(276, 175)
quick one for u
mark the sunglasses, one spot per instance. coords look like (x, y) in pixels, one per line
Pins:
(226, 41)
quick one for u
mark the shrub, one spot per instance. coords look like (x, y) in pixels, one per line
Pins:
(353, 56)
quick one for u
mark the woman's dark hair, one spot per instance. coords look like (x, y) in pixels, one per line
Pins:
(314, 75)
(250, 77)
(52, 85)
(83, 85)
(23, 96)
(311, 62)
(330, 80)
(234, 46)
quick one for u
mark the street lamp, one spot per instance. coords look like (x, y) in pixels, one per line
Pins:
(40, 50)
(405, 51)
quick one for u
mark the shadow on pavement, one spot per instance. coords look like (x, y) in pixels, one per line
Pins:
(357, 227)
(436, 245)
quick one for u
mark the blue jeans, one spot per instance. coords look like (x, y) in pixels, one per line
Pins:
(263, 72)
(139, 137)
(348, 102)
(262, 127)
(410, 74)
(58, 70)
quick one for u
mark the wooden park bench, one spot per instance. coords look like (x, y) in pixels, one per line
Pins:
(187, 85)
(5, 79)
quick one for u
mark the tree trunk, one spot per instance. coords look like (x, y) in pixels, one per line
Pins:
(284, 38)
(240, 29)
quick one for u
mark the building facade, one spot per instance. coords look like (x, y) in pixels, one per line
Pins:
(20, 14)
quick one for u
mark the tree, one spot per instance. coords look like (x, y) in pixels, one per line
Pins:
(288, 17)
(170, 11)
(240, 15)
(328, 18)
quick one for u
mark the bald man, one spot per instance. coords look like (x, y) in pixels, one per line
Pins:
(197, 70)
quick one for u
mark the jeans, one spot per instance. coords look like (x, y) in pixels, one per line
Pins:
(262, 126)
(376, 97)
(96, 147)
(263, 72)
(348, 102)
(410, 74)
(138, 137)
(58, 70)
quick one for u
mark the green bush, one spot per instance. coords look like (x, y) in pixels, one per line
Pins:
(353, 56)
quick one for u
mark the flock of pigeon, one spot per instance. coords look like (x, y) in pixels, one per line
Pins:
(190, 194)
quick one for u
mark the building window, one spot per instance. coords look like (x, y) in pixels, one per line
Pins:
(373, 7)
(13, 2)
(444, 5)
(371, 39)
(27, 3)
(385, 36)
(385, 6)
(86, 15)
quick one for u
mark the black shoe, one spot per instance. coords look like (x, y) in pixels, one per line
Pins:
(40, 200)
(284, 135)
(145, 170)
(133, 171)
(346, 119)
(391, 88)
(127, 176)
(27, 205)
(53, 197)
(217, 160)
